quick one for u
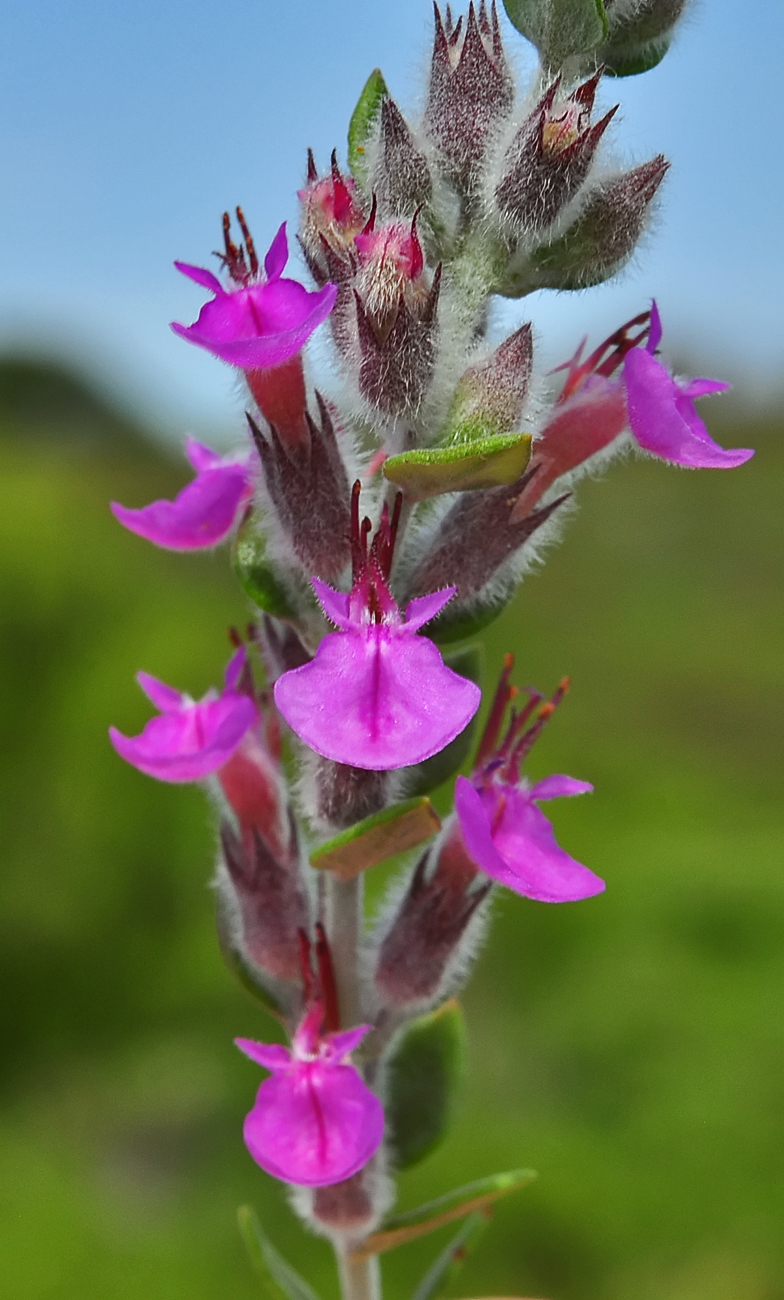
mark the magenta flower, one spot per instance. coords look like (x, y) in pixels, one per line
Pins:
(503, 830)
(376, 695)
(258, 323)
(597, 404)
(314, 1122)
(190, 740)
(661, 410)
(205, 512)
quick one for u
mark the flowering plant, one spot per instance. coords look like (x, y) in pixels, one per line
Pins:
(376, 530)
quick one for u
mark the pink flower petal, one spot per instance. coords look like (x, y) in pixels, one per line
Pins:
(556, 786)
(234, 668)
(202, 515)
(335, 604)
(260, 326)
(521, 852)
(278, 255)
(380, 698)
(339, 1045)
(190, 744)
(271, 1055)
(420, 610)
(165, 698)
(315, 1124)
(200, 456)
(702, 387)
(203, 277)
(665, 423)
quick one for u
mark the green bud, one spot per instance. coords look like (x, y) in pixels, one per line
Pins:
(378, 837)
(560, 29)
(363, 121)
(257, 576)
(482, 463)
(638, 40)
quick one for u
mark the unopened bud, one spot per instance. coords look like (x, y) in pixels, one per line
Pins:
(490, 396)
(474, 539)
(401, 175)
(639, 34)
(470, 91)
(550, 156)
(604, 234)
(263, 901)
(310, 492)
(332, 214)
(396, 318)
(422, 945)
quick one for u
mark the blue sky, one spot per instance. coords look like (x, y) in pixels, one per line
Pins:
(127, 128)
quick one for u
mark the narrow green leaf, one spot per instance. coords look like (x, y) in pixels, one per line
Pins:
(559, 29)
(442, 1272)
(495, 1186)
(468, 661)
(422, 1078)
(256, 575)
(280, 1280)
(484, 463)
(381, 836)
(363, 119)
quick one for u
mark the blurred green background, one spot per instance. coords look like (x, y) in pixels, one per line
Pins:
(631, 1048)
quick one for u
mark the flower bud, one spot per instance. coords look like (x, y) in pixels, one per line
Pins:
(550, 156)
(474, 539)
(332, 214)
(423, 943)
(639, 34)
(490, 396)
(604, 234)
(401, 175)
(470, 91)
(263, 901)
(310, 492)
(396, 318)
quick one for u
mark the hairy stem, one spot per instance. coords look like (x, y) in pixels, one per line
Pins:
(344, 927)
(360, 1279)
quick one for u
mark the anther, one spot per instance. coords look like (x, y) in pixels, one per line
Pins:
(249, 245)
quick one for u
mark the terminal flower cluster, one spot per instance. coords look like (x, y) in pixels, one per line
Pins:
(354, 692)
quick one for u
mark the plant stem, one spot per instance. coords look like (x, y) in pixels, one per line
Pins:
(360, 1279)
(344, 927)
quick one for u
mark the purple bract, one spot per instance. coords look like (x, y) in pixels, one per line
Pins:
(376, 695)
(205, 512)
(261, 323)
(189, 740)
(314, 1122)
(504, 831)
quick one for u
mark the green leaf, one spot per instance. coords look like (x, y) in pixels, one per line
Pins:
(407, 1227)
(559, 29)
(484, 463)
(381, 836)
(442, 1272)
(422, 1077)
(459, 623)
(256, 575)
(363, 119)
(468, 661)
(494, 1187)
(280, 1280)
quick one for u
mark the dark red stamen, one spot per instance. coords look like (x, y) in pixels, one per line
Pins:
(312, 170)
(249, 245)
(370, 224)
(616, 347)
(503, 696)
(523, 746)
(329, 990)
